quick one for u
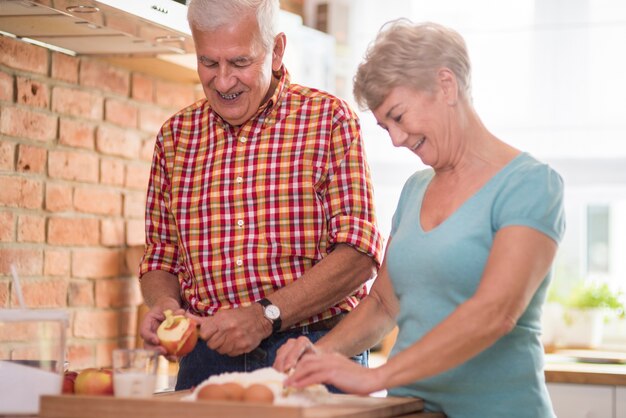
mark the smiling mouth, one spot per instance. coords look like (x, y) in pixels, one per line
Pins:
(232, 96)
(418, 144)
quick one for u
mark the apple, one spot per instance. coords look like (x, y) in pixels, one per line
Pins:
(94, 382)
(177, 333)
(69, 377)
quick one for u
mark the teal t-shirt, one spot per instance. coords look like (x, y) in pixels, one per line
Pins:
(435, 271)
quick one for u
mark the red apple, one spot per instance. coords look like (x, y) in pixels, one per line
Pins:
(178, 334)
(94, 382)
(69, 377)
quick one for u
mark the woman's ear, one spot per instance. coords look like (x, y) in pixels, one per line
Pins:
(280, 42)
(448, 85)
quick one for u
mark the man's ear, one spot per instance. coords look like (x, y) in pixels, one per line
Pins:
(448, 85)
(280, 42)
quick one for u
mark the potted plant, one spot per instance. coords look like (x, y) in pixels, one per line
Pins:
(586, 309)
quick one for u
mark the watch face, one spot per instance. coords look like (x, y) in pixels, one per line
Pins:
(272, 312)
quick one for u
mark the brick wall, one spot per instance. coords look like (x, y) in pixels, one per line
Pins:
(76, 140)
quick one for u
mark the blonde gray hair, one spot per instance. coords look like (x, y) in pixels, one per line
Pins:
(410, 55)
(208, 15)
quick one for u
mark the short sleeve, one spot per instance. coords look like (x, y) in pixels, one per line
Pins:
(533, 197)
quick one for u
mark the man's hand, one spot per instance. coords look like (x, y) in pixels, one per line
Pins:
(149, 325)
(234, 331)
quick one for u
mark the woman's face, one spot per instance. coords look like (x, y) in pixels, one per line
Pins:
(419, 121)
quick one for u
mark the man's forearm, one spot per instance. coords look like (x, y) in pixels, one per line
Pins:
(160, 287)
(338, 275)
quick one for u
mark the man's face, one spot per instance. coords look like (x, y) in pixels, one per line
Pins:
(235, 69)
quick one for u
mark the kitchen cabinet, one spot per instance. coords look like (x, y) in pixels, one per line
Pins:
(585, 401)
(620, 402)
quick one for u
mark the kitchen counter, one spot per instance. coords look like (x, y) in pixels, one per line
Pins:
(586, 367)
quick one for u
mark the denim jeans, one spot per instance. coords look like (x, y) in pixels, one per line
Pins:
(203, 362)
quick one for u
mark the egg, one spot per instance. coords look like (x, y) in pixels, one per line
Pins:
(212, 392)
(233, 391)
(258, 393)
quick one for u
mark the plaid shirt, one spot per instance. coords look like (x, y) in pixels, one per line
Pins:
(238, 212)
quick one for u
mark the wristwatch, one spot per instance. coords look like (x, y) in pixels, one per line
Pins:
(272, 313)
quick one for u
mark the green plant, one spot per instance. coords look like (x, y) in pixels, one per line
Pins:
(589, 295)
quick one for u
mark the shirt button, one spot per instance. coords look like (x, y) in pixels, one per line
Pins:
(239, 262)
(243, 139)
(239, 180)
(240, 222)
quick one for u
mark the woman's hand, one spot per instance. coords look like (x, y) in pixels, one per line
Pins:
(290, 353)
(337, 370)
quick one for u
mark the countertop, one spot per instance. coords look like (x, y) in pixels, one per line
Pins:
(586, 367)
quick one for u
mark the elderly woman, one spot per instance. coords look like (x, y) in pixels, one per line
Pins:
(469, 258)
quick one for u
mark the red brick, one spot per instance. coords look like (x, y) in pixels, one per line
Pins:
(98, 201)
(142, 87)
(45, 293)
(65, 67)
(25, 123)
(101, 75)
(56, 263)
(121, 113)
(77, 103)
(23, 56)
(112, 232)
(76, 133)
(4, 296)
(7, 227)
(118, 142)
(117, 293)
(6, 87)
(31, 159)
(73, 231)
(96, 263)
(7, 156)
(151, 119)
(32, 93)
(135, 205)
(68, 165)
(104, 353)
(112, 172)
(96, 324)
(31, 228)
(80, 356)
(147, 150)
(28, 262)
(80, 293)
(58, 197)
(21, 192)
(137, 176)
(135, 232)
(133, 259)
(174, 95)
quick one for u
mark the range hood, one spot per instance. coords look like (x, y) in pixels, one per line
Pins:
(103, 27)
(150, 36)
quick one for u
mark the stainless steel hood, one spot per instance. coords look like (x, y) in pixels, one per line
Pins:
(103, 27)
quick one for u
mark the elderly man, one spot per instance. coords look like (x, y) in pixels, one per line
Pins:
(259, 221)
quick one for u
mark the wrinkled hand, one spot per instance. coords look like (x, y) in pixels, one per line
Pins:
(334, 369)
(290, 353)
(233, 331)
(149, 325)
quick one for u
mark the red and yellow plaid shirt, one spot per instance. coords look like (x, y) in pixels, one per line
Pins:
(236, 213)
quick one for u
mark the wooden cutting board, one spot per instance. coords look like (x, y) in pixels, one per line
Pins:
(170, 405)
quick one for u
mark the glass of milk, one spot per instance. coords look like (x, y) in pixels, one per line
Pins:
(134, 372)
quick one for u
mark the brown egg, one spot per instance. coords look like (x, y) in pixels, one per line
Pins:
(258, 393)
(212, 392)
(234, 391)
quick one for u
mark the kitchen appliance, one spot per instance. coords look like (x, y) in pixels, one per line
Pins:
(32, 360)
(103, 27)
